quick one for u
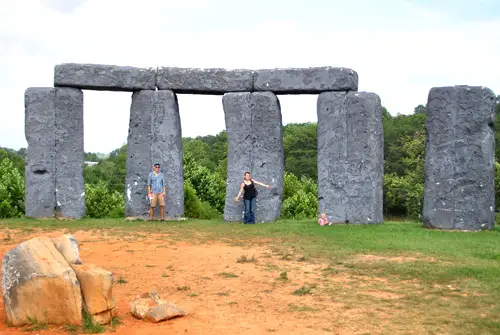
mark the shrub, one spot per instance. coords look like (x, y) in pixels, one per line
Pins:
(11, 190)
(194, 208)
(100, 202)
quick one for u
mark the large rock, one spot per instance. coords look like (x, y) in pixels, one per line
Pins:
(70, 187)
(37, 282)
(154, 135)
(267, 154)
(150, 307)
(306, 80)
(238, 115)
(204, 81)
(67, 245)
(166, 148)
(104, 77)
(459, 163)
(350, 157)
(139, 163)
(40, 169)
(255, 144)
(97, 291)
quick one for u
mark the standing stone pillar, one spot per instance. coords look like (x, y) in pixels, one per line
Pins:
(238, 115)
(268, 164)
(55, 156)
(166, 148)
(69, 153)
(255, 144)
(350, 157)
(40, 168)
(154, 135)
(459, 161)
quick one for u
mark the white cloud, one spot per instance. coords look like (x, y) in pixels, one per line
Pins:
(400, 50)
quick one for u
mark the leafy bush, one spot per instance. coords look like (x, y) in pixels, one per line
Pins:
(100, 202)
(299, 197)
(194, 208)
(11, 190)
(209, 186)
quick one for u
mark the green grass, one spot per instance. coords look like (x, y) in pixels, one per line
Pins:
(227, 275)
(435, 260)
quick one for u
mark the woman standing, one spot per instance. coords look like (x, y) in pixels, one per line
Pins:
(248, 186)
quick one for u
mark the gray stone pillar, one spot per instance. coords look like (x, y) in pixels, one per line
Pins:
(459, 162)
(139, 163)
(238, 115)
(255, 144)
(268, 164)
(350, 157)
(154, 135)
(40, 125)
(69, 153)
(167, 149)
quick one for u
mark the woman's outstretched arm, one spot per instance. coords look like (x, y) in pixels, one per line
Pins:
(239, 193)
(261, 184)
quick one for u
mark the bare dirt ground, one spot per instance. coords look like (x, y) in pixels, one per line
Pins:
(223, 294)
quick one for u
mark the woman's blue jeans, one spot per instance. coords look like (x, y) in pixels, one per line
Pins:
(249, 214)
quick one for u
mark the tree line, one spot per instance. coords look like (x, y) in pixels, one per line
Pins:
(205, 164)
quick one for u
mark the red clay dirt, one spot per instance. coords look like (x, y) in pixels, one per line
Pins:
(200, 279)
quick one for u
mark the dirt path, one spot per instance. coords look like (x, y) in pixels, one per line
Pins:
(219, 294)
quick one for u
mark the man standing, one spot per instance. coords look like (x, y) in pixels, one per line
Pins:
(156, 191)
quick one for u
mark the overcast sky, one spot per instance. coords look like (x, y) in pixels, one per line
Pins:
(399, 48)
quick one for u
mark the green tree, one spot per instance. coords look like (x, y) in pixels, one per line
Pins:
(299, 197)
(300, 149)
(404, 194)
(11, 190)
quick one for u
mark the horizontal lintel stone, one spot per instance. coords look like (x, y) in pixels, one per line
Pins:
(102, 77)
(204, 81)
(305, 80)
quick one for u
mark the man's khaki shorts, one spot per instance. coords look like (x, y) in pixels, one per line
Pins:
(158, 198)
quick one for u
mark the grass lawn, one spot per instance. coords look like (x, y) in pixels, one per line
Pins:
(442, 281)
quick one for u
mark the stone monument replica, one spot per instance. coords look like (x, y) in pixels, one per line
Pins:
(459, 157)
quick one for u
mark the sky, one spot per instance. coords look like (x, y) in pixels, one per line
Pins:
(399, 48)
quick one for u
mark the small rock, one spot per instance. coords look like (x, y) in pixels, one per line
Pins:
(97, 291)
(150, 307)
(67, 245)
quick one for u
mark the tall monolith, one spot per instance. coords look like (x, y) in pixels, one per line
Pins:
(459, 162)
(350, 157)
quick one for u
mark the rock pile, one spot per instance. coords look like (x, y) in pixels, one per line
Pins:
(44, 279)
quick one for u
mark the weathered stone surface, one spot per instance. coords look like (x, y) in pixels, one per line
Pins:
(238, 115)
(104, 77)
(40, 155)
(166, 149)
(204, 81)
(67, 245)
(255, 144)
(154, 135)
(37, 282)
(70, 187)
(267, 155)
(350, 157)
(97, 291)
(459, 162)
(139, 163)
(150, 307)
(306, 80)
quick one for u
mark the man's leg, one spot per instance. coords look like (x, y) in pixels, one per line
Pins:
(246, 215)
(162, 206)
(252, 210)
(152, 208)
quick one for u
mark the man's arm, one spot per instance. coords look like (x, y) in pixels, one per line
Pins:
(149, 184)
(164, 187)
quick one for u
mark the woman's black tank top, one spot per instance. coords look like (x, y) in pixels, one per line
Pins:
(250, 191)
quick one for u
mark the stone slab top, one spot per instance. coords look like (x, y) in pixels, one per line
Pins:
(215, 81)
